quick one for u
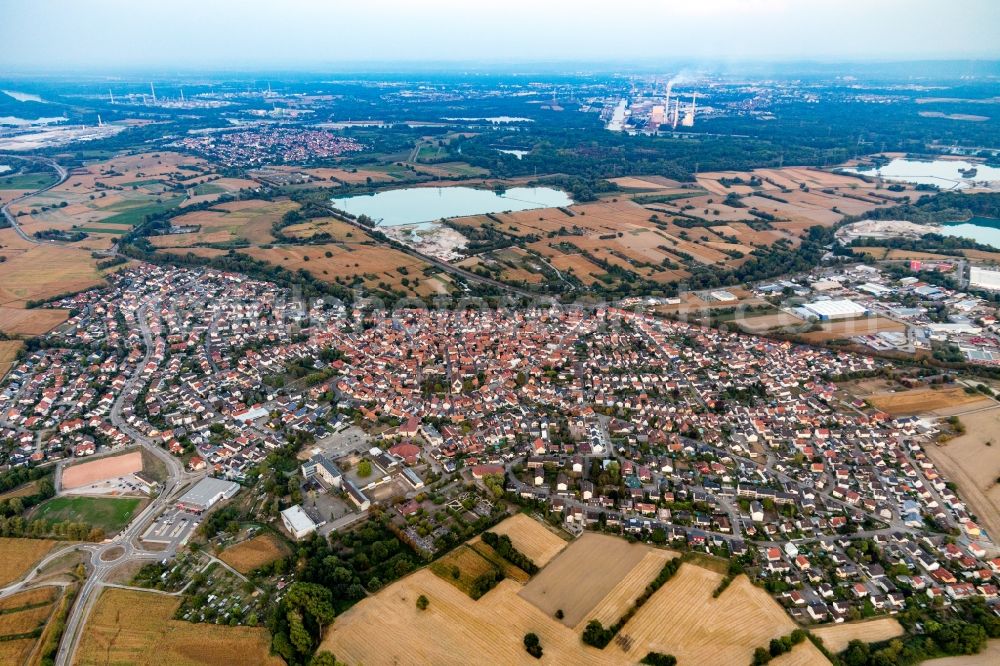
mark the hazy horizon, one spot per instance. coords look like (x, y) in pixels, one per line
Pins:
(184, 35)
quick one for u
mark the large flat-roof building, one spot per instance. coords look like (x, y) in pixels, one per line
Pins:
(297, 522)
(984, 278)
(834, 309)
(207, 493)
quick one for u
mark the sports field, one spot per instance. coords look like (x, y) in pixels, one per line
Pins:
(110, 467)
(111, 514)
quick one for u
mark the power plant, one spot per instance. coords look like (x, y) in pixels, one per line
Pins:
(689, 116)
(647, 111)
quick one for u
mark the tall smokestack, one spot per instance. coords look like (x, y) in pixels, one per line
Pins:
(111, 96)
(152, 91)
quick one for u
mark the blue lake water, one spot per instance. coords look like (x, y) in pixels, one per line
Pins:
(946, 174)
(985, 230)
(413, 205)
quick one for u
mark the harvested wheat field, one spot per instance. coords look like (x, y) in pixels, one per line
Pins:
(683, 619)
(129, 627)
(803, 654)
(254, 553)
(387, 628)
(24, 614)
(112, 467)
(8, 354)
(20, 555)
(623, 595)
(25, 620)
(38, 595)
(469, 563)
(835, 637)
(847, 328)
(45, 271)
(338, 230)
(582, 575)
(920, 400)
(17, 651)
(509, 570)
(532, 538)
(37, 321)
(245, 220)
(760, 323)
(972, 465)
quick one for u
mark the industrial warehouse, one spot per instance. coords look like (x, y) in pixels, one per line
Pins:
(207, 493)
(833, 309)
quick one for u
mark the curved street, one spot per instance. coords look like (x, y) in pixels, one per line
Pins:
(11, 218)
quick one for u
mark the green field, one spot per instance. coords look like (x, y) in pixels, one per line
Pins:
(26, 181)
(208, 188)
(109, 513)
(136, 214)
(98, 230)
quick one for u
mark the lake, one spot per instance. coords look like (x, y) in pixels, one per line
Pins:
(23, 97)
(412, 205)
(943, 173)
(985, 230)
(496, 120)
(24, 122)
(3, 168)
(516, 153)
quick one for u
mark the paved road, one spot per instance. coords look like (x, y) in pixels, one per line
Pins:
(125, 547)
(11, 219)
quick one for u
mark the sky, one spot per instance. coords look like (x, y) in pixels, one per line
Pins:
(73, 35)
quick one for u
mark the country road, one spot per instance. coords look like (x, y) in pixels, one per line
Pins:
(11, 218)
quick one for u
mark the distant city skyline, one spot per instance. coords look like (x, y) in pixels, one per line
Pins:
(185, 34)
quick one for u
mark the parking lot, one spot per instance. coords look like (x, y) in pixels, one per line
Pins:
(122, 485)
(172, 528)
(338, 444)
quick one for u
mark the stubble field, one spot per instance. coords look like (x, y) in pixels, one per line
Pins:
(921, 400)
(582, 575)
(254, 553)
(683, 619)
(19, 555)
(836, 636)
(967, 461)
(128, 627)
(532, 538)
